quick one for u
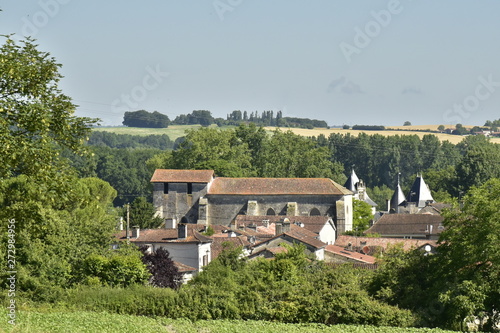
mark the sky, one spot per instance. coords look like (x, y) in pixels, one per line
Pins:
(364, 62)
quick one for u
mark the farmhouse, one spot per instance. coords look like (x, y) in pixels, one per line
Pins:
(198, 197)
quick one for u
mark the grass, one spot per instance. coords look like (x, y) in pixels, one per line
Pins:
(31, 321)
(176, 131)
(173, 132)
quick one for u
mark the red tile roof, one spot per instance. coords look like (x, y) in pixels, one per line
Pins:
(276, 186)
(182, 176)
(301, 234)
(338, 250)
(382, 242)
(311, 223)
(305, 236)
(167, 235)
(217, 244)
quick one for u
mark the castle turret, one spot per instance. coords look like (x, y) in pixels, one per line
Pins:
(420, 194)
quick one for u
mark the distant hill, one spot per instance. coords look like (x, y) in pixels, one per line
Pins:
(176, 131)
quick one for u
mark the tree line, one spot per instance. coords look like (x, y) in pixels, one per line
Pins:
(142, 118)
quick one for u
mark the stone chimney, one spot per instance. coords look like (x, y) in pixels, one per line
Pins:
(286, 225)
(171, 223)
(181, 231)
(135, 232)
(278, 228)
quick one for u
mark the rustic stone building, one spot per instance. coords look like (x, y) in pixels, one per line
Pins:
(197, 196)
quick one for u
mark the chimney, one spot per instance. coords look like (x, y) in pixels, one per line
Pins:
(278, 228)
(265, 223)
(135, 232)
(171, 223)
(286, 225)
(181, 231)
(388, 205)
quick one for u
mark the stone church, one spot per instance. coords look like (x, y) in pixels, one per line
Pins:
(198, 196)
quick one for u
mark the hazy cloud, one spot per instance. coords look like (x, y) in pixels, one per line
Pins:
(344, 86)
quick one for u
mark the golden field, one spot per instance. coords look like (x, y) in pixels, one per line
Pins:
(408, 130)
(176, 131)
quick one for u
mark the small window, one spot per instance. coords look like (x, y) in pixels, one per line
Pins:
(165, 188)
(205, 260)
(270, 212)
(190, 188)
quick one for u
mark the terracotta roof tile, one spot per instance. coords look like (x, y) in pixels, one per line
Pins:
(182, 176)
(311, 223)
(276, 186)
(382, 242)
(301, 234)
(217, 244)
(338, 250)
(167, 235)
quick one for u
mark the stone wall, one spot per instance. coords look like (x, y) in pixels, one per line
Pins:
(178, 202)
(222, 209)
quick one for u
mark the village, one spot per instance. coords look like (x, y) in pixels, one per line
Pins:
(262, 214)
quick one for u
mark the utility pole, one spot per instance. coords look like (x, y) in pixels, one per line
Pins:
(128, 222)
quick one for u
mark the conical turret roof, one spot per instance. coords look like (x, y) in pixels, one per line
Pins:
(398, 198)
(352, 182)
(420, 193)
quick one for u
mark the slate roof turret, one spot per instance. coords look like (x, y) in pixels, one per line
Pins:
(398, 198)
(420, 193)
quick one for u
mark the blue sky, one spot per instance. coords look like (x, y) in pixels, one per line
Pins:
(346, 62)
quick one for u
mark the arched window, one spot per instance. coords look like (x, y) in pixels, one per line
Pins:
(184, 220)
(270, 211)
(314, 212)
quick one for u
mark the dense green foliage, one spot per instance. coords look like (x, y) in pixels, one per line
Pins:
(237, 118)
(125, 170)
(248, 151)
(112, 140)
(368, 127)
(142, 214)
(290, 289)
(59, 220)
(200, 117)
(143, 118)
(36, 118)
(361, 216)
(91, 322)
